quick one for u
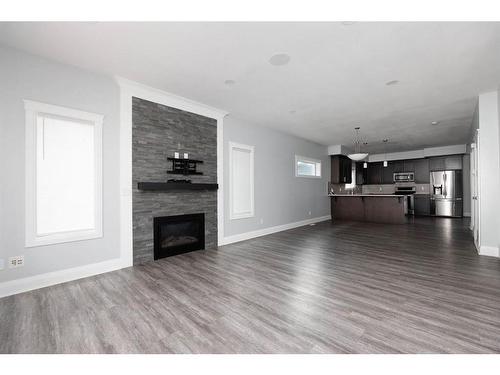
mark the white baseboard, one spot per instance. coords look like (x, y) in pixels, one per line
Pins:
(490, 251)
(270, 230)
(467, 214)
(25, 284)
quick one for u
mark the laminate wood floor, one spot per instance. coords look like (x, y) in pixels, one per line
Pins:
(330, 288)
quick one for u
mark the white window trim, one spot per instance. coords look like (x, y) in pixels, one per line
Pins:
(32, 108)
(310, 160)
(233, 215)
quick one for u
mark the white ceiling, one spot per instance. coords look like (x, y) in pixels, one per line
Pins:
(334, 81)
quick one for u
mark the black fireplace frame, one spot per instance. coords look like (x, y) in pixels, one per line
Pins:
(176, 250)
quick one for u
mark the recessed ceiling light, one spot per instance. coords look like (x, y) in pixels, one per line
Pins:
(279, 59)
(229, 82)
(348, 23)
(390, 83)
(434, 122)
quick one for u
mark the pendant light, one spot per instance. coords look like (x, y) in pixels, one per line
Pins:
(385, 152)
(357, 155)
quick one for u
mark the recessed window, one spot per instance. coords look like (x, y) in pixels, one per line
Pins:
(63, 174)
(307, 167)
(352, 185)
(241, 181)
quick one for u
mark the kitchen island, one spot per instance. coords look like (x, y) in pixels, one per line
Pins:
(376, 208)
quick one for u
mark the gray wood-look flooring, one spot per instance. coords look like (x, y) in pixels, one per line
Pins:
(330, 288)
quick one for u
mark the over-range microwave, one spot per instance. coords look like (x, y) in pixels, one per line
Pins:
(404, 177)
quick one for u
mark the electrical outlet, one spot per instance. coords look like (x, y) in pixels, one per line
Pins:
(17, 261)
(309, 213)
(1, 264)
(261, 220)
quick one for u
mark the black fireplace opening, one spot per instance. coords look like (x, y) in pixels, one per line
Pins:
(178, 234)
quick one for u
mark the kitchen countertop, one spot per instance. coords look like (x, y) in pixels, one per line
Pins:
(367, 195)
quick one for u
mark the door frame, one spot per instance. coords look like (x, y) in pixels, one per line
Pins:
(475, 189)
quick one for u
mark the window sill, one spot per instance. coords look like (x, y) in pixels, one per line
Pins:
(57, 238)
(241, 216)
(302, 176)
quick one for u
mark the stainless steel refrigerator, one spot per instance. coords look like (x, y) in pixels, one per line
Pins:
(446, 193)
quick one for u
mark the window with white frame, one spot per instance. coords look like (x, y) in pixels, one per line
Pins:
(352, 185)
(241, 181)
(63, 174)
(307, 167)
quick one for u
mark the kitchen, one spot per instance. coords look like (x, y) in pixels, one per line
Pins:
(429, 182)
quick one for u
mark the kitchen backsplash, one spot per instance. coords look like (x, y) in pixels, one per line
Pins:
(342, 189)
(379, 189)
(423, 188)
(374, 189)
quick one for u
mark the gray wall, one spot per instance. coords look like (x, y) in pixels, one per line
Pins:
(157, 132)
(280, 197)
(24, 76)
(489, 161)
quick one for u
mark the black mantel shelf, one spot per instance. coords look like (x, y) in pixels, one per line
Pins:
(166, 186)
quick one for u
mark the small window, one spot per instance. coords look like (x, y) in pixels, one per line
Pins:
(352, 185)
(307, 167)
(241, 184)
(63, 174)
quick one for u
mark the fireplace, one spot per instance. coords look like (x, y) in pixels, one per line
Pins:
(178, 234)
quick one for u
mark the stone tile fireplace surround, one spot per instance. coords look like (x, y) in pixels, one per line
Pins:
(157, 132)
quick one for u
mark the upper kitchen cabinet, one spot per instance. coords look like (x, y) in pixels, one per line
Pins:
(399, 166)
(341, 169)
(375, 173)
(443, 163)
(422, 171)
(409, 165)
(388, 172)
(453, 162)
(437, 164)
(361, 174)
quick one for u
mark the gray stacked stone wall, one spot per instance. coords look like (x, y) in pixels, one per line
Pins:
(157, 132)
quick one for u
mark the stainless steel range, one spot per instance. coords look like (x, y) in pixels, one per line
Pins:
(409, 191)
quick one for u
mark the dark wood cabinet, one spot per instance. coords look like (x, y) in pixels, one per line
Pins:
(453, 162)
(375, 173)
(442, 163)
(398, 166)
(388, 173)
(347, 168)
(341, 169)
(409, 165)
(422, 204)
(436, 164)
(361, 174)
(422, 171)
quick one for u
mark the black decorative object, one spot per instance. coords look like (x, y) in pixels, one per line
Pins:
(184, 166)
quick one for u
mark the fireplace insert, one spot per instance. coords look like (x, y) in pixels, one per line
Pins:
(178, 234)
